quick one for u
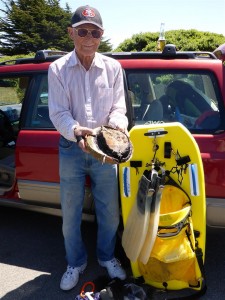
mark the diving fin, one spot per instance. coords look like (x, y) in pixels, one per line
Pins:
(153, 223)
(136, 227)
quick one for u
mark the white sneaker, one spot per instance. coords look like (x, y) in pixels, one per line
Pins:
(71, 277)
(114, 268)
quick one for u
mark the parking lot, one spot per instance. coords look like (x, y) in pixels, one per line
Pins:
(32, 258)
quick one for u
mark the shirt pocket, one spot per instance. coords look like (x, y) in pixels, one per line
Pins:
(105, 99)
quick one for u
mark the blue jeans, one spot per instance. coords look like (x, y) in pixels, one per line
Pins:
(74, 165)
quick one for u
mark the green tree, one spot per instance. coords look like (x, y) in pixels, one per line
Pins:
(105, 46)
(185, 40)
(31, 25)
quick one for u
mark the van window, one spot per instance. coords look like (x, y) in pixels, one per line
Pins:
(12, 92)
(38, 116)
(175, 96)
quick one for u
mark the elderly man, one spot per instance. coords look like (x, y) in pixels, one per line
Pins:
(86, 91)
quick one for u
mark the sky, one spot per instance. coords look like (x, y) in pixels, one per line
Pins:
(123, 18)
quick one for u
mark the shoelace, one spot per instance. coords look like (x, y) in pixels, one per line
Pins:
(115, 262)
(70, 270)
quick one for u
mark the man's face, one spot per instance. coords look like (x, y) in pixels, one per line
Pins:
(86, 43)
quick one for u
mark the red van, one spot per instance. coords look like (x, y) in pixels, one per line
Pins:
(161, 87)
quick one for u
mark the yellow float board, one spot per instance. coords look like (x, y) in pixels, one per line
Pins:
(182, 143)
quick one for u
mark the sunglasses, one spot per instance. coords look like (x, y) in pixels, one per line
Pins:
(95, 33)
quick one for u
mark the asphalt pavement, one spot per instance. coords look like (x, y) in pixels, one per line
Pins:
(32, 258)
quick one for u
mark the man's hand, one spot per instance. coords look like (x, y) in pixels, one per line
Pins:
(83, 131)
(123, 129)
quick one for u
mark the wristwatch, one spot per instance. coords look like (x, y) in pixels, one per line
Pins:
(78, 138)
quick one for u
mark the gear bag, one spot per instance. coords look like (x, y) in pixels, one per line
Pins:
(173, 256)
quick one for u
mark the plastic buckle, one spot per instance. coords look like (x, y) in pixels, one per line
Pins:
(84, 294)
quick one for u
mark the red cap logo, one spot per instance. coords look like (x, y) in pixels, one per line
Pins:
(88, 13)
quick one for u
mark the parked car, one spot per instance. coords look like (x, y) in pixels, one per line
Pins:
(162, 87)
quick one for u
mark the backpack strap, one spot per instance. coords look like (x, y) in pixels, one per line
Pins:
(197, 249)
(171, 181)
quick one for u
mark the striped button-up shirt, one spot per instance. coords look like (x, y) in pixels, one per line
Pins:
(87, 98)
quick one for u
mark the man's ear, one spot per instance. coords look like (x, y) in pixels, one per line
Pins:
(70, 32)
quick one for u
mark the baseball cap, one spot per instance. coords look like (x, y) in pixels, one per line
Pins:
(86, 15)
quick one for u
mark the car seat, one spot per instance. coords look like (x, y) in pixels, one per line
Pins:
(189, 99)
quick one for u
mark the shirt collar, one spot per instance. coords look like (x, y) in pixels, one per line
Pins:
(97, 61)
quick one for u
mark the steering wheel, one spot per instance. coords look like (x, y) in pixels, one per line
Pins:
(6, 129)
